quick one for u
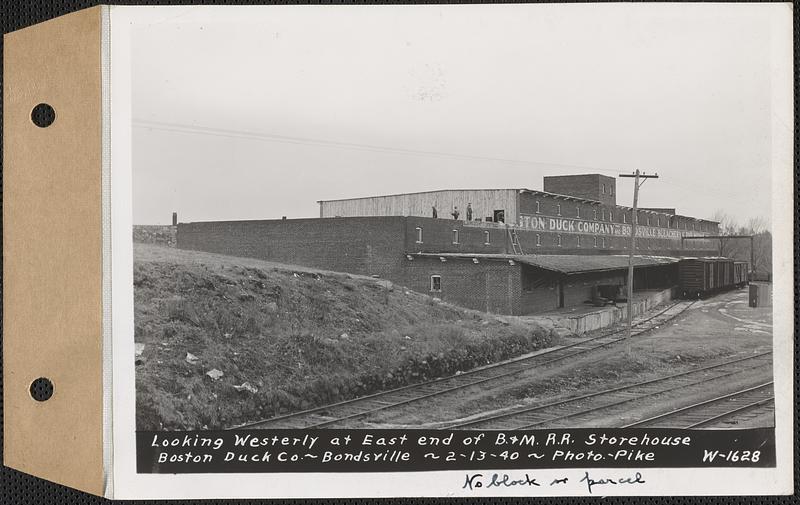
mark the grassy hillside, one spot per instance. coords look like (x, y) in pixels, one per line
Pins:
(287, 338)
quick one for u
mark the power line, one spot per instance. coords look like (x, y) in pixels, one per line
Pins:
(244, 134)
(260, 136)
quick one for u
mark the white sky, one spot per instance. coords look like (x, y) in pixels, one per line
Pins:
(304, 103)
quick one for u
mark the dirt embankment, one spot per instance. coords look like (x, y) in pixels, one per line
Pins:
(222, 341)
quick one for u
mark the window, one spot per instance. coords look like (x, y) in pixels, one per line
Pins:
(610, 216)
(558, 209)
(611, 189)
(603, 243)
(603, 188)
(538, 207)
(538, 239)
(578, 209)
(419, 235)
(436, 283)
(595, 214)
(558, 240)
(624, 218)
(604, 214)
(648, 220)
(486, 238)
(595, 241)
(455, 236)
(579, 241)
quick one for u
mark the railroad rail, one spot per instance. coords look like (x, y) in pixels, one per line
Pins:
(711, 411)
(573, 411)
(328, 415)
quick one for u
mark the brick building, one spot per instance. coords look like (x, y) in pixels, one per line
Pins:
(511, 251)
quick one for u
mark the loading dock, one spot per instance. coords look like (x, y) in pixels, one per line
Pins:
(529, 284)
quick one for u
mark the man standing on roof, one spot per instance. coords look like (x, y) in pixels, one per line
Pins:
(455, 212)
(469, 212)
(435, 214)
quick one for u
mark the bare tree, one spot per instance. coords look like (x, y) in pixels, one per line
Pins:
(739, 249)
(730, 248)
(757, 225)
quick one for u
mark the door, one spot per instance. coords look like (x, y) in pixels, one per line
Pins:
(753, 295)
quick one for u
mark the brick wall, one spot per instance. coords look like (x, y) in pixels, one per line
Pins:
(378, 246)
(489, 286)
(437, 236)
(590, 186)
(542, 299)
(547, 243)
(367, 246)
(547, 207)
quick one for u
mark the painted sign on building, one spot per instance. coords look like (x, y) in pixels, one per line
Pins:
(564, 225)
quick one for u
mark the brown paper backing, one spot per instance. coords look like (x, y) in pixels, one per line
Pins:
(52, 261)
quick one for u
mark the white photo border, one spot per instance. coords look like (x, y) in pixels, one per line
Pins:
(127, 484)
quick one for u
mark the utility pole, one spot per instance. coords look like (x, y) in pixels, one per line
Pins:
(634, 221)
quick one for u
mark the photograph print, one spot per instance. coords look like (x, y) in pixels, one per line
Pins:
(452, 218)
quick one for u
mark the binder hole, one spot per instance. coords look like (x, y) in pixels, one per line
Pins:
(43, 115)
(41, 389)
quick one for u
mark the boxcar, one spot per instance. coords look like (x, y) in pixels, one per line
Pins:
(699, 277)
(740, 273)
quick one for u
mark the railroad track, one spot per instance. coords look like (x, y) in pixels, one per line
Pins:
(329, 415)
(579, 410)
(713, 411)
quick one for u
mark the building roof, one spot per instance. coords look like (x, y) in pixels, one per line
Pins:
(448, 190)
(516, 190)
(666, 212)
(572, 264)
(566, 263)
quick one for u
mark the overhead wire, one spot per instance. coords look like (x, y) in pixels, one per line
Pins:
(221, 132)
(261, 136)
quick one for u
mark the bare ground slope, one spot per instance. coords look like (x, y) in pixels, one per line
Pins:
(224, 340)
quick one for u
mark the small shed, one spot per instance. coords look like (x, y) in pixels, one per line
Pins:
(760, 294)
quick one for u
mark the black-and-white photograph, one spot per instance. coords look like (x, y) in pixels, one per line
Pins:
(453, 217)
